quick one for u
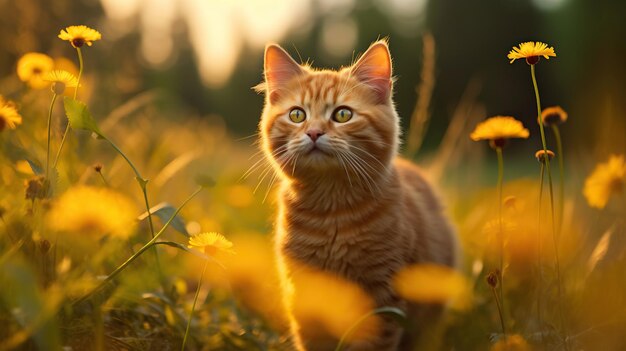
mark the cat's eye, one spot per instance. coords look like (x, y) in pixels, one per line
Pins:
(297, 115)
(342, 115)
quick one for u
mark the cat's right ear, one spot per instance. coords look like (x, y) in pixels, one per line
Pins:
(280, 68)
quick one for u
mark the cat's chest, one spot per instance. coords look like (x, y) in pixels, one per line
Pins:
(348, 244)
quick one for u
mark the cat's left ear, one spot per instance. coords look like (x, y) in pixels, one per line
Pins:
(374, 69)
(280, 68)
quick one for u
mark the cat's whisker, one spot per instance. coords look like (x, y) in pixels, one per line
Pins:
(367, 153)
(362, 163)
(369, 140)
(361, 172)
(259, 164)
(248, 137)
(269, 187)
(340, 159)
(265, 173)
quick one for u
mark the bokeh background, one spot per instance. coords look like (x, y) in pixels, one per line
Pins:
(205, 55)
(170, 82)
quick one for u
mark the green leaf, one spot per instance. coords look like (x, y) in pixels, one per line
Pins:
(165, 211)
(173, 244)
(205, 181)
(142, 182)
(79, 116)
(37, 169)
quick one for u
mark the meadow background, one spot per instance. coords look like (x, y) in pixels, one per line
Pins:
(170, 84)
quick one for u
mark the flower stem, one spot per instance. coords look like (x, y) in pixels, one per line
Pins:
(103, 179)
(149, 244)
(56, 158)
(500, 312)
(143, 184)
(193, 306)
(80, 71)
(559, 155)
(54, 98)
(539, 242)
(67, 128)
(500, 233)
(554, 234)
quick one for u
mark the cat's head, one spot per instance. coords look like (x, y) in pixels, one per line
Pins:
(329, 122)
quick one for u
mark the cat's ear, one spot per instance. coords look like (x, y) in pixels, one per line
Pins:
(279, 69)
(374, 69)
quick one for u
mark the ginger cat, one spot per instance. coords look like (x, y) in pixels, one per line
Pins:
(348, 205)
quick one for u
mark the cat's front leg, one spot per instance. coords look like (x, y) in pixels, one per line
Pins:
(388, 332)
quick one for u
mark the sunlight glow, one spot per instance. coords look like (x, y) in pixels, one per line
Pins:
(220, 30)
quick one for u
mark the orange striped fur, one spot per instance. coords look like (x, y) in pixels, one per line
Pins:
(348, 205)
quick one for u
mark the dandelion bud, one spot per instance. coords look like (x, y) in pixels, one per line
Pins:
(58, 88)
(541, 155)
(493, 278)
(553, 115)
(44, 246)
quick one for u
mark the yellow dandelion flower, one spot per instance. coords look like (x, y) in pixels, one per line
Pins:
(80, 35)
(513, 342)
(31, 68)
(210, 243)
(9, 117)
(498, 129)
(92, 211)
(428, 283)
(553, 115)
(531, 51)
(60, 80)
(606, 179)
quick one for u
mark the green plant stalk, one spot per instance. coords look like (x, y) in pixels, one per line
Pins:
(67, 128)
(500, 312)
(547, 161)
(559, 154)
(54, 98)
(353, 327)
(80, 71)
(149, 244)
(142, 183)
(539, 268)
(500, 233)
(193, 306)
(103, 179)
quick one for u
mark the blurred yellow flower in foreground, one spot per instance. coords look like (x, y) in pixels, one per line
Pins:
(32, 67)
(499, 128)
(210, 243)
(606, 179)
(80, 35)
(531, 51)
(60, 80)
(513, 342)
(9, 117)
(326, 306)
(429, 283)
(93, 211)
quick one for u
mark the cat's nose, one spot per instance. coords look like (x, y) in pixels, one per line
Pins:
(314, 134)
